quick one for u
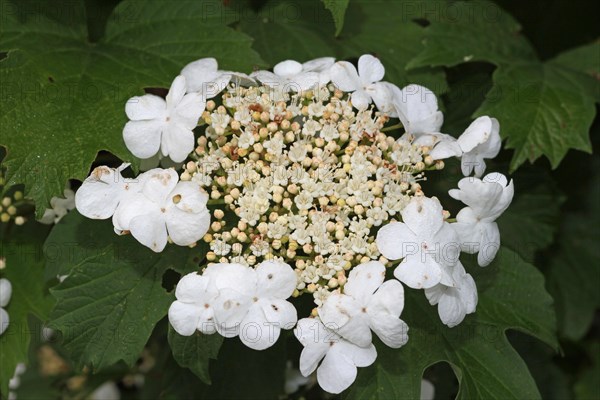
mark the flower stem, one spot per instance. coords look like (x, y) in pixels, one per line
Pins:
(391, 128)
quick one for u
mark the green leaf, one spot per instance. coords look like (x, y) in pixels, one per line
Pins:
(63, 96)
(471, 31)
(24, 269)
(511, 296)
(386, 29)
(112, 298)
(585, 59)
(586, 387)
(338, 10)
(290, 30)
(543, 109)
(194, 352)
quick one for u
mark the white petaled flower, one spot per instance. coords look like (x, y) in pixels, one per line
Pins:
(59, 207)
(454, 302)
(427, 390)
(252, 302)
(193, 309)
(367, 303)
(5, 295)
(417, 108)
(107, 391)
(340, 357)
(204, 77)
(103, 191)
(164, 207)
(364, 84)
(294, 379)
(486, 199)
(479, 141)
(163, 124)
(424, 240)
(291, 76)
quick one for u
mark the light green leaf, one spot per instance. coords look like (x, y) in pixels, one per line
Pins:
(543, 109)
(112, 298)
(63, 97)
(511, 296)
(338, 10)
(194, 352)
(22, 251)
(471, 31)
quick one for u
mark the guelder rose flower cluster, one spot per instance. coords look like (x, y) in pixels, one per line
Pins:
(305, 180)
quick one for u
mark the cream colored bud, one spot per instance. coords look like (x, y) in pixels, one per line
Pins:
(292, 188)
(330, 226)
(263, 228)
(208, 238)
(242, 237)
(351, 201)
(12, 210)
(211, 256)
(215, 195)
(333, 283)
(439, 164)
(185, 176)
(290, 254)
(4, 217)
(340, 235)
(18, 195)
(237, 248)
(219, 214)
(285, 125)
(210, 105)
(307, 248)
(359, 209)
(215, 226)
(311, 288)
(251, 259)
(242, 225)
(295, 126)
(287, 203)
(228, 199)
(20, 220)
(276, 244)
(235, 125)
(323, 201)
(383, 260)
(277, 198)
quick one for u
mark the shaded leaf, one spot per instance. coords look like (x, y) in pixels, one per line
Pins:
(194, 352)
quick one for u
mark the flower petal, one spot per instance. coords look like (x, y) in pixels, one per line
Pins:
(5, 292)
(450, 308)
(344, 76)
(100, 193)
(4, 320)
(417, 108)
(275, 279)
(186, 228)
(189, 110)
(230, 309)
(347, 317)
(370, 69)
(418, 273)
(192, 288)
(360, 99)
(143, 138)
(281, 313)
(391, 330)
(177, 142)
(200, 72)
(237, 277)
(256, 332)
(158, 184)
(490, 244)
(318, 64)
(363, 281)
(395, 239)
(423, 215)
(190, 197)
(389, 298)
(176, 92)
(150, 230)
(337, 371)
(184, 317)
(145, 107)
(477, 133)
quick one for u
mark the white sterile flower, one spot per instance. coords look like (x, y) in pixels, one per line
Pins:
(294, 379)
(425, 242)
(322, 66)
(252, 302)
(417, 108)
(454, 302)
(340, 357)
(193, 309)
(479, 141)
(367, 303)
(427, 390)
(59, 207)
(107, 391)
(486, 199)
(290, 76)
(166, 125)
(205, 77)
(103, 191)
(364, 84)
(5, 295)
(164, 207)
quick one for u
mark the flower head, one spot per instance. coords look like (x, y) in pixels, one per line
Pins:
(340, 357)
(163, 124)
(426, 243)
(5, 295)
(486, 200)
